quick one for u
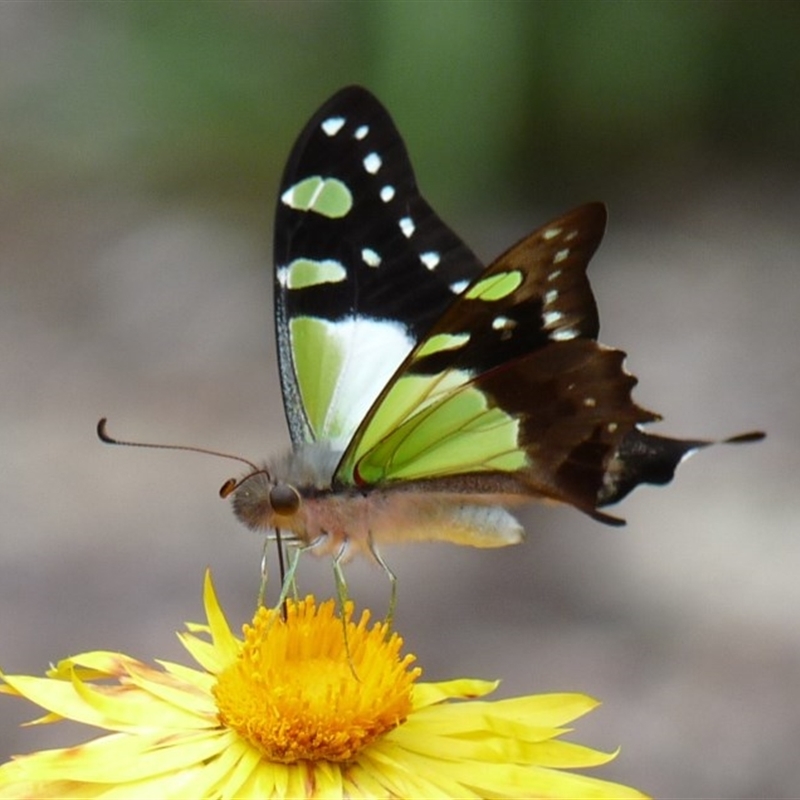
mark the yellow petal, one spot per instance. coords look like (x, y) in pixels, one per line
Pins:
(182, 696)
(194, 677)
(468, 718)
(546, 709)
(203, 653)
(218, 775)
(242, 773)
(56, 696)
(129, 708)
(226, 644)
(118, 758)
(410, 776)
(94, 665)
(426, 694)
(527, 782)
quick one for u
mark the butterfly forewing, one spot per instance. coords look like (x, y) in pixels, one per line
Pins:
(363, 266)
(509, 380)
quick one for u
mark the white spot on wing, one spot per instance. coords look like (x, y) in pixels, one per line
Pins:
(564, 334)
(287, 198)
(550, 318)
(407, 226)
(551, 233)
(554, 275)
(430, 259)
(372, 163)
(458, 286)
(361, 132)
(387, 193)
(560, 255)
(332, 125)
(589, 402)
(503, 323)
(370, 257)
(550, 297)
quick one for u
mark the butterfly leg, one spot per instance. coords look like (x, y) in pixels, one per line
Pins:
(288, 583)
(392, 580)
(343, 598)
(262, 588)
(338, 576)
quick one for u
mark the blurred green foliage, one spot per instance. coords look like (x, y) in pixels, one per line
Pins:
(514, 99)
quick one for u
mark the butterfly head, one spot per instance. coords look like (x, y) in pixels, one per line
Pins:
(262, 502)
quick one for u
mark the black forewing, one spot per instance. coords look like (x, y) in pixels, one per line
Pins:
(403, 289)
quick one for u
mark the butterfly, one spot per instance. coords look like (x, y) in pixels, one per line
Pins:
(427, 394)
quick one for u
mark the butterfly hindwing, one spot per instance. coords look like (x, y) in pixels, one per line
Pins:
(363, 266)
(508, 381)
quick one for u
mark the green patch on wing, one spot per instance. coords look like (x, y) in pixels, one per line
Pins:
(407, 397)
(326, 196)
(318, 361)
(495, 286)
(442, 341)
(429, 427)
(304, 272)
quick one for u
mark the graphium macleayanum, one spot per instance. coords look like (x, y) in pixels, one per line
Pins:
(426, 393)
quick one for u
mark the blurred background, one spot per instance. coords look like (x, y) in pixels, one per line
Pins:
(141, 146)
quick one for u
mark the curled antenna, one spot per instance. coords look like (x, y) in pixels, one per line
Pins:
(104, 437)
(231, 485)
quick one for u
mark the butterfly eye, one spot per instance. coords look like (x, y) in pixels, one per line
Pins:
(284, 499)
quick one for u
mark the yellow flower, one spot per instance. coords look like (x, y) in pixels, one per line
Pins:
(296, 709)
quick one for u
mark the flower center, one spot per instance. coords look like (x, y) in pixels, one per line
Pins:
(295, 695)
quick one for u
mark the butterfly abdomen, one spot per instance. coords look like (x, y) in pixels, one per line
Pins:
(334, 519)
